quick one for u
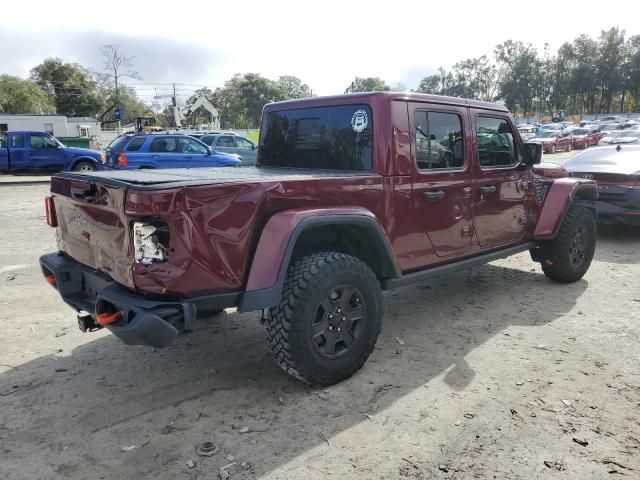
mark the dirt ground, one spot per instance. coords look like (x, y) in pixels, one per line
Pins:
(491, 373)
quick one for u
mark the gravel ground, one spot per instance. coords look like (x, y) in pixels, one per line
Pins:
(492, 373)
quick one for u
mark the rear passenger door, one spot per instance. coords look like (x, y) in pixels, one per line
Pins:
(165, 152)
(501, 182)
(226, 144)
(442, 178)
(18, 154)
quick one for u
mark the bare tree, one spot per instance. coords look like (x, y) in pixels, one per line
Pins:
(117, 65)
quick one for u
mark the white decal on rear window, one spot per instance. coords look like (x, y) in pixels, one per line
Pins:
(359, 121)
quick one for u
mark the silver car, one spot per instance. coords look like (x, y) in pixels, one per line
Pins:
(235, 144)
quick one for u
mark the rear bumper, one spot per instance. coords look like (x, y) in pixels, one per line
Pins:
(143, 321)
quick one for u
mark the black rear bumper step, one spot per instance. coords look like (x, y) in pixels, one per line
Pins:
(144, 321)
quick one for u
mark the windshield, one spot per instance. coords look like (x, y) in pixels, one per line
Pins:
(335, 138)
(580, 131)
(548, 134)
(626, 134)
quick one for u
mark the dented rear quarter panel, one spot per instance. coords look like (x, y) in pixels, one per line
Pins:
(215, 228)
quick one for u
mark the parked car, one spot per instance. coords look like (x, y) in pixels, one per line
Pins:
(338, 211)
(241, 146)
(584, 138)
(550, 126)
(620, 137)
(612, 118)
(40, 152)
(609, 127)
(553, 140)
(617, 172)
(130, 152)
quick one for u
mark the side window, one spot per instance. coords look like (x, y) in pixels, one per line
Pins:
(226, 141)
(36, 141)
(439, 140)
(244, 143)
(17, 141)
(191, 146)
(135, 144)
(496, 147)
(164, 145)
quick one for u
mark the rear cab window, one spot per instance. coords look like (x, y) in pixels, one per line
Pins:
(439, 140)
(118, 143)
(331, 138)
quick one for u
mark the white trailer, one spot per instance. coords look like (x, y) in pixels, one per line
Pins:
(53, 124)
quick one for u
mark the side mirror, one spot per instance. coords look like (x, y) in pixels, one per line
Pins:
(209, 151)
(533, 153)
(253, 146)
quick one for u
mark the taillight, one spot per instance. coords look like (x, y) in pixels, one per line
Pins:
(50, 212)
(122, 159)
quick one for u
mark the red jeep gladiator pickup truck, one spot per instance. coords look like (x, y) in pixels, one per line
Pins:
(352, 195)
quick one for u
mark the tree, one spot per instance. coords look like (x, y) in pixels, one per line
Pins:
(611, 55)
(519, 68)
(71, 85)
(116, 66)
(633, 69)
(241, 99)
(293, 87)
(475, 78)
(369, 84)
(23, 96)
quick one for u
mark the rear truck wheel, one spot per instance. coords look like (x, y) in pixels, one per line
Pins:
(328, 320)
(567, 257)
(84, 167)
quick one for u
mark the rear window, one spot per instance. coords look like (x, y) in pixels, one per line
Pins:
(333, 138)
(135, 144)
(118, 143)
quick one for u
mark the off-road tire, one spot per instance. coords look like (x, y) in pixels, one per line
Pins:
(558, 263)
(84, 167)
(291, 322)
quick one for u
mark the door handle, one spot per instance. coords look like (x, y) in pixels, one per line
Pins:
(431, 195)
(487, 190)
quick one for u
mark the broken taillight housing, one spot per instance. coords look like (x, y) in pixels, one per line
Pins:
(150, 242)
(50, 212)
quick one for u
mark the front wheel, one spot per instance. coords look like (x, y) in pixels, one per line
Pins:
(567, 257)
(84, 167)
(328, 320)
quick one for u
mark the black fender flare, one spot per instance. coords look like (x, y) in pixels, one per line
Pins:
(275, 248)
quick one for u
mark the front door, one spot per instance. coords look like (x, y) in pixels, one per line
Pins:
(165, 152)
(442, 179)
(500, 192)
(45, 154)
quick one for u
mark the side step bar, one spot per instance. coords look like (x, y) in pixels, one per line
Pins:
(422, 275)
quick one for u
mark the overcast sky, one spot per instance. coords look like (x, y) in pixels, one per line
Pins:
(325, 43)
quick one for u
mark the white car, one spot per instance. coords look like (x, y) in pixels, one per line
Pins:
(626, 137)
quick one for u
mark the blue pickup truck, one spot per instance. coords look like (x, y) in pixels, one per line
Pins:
(39, 152)
(146, 151)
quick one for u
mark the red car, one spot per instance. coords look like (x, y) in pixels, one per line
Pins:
(585, 138)
(351, 195)
(554, 140)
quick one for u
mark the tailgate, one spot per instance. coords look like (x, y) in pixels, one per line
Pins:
(92, 226)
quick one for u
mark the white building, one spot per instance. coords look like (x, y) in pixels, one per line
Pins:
(57, 125)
